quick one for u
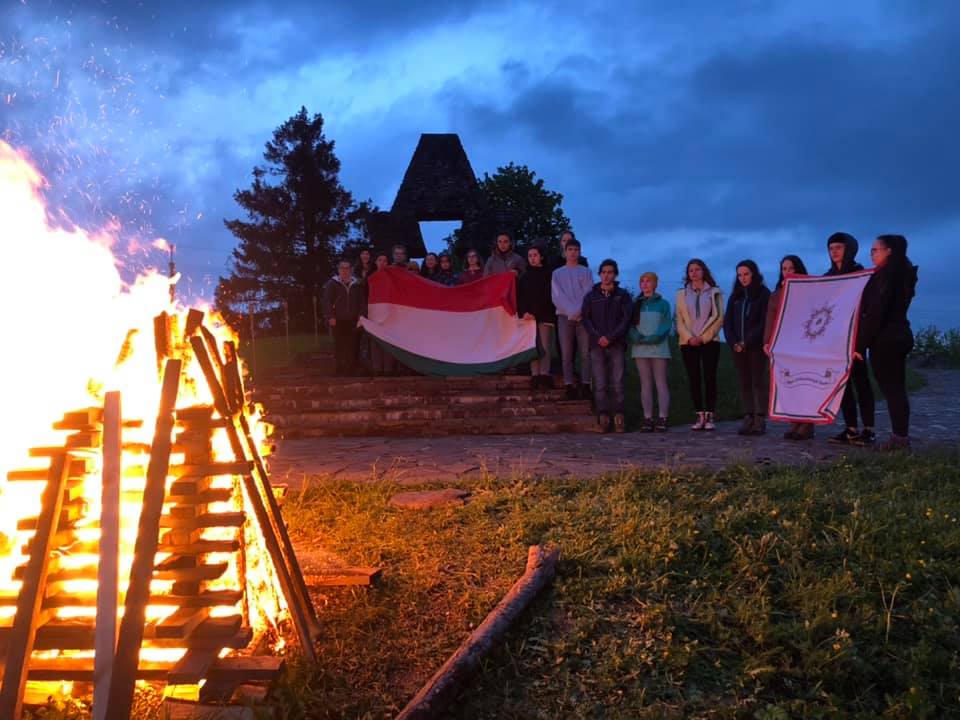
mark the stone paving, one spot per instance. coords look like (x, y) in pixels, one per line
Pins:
(935, 421)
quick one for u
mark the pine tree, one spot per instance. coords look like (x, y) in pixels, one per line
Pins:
(298, 217)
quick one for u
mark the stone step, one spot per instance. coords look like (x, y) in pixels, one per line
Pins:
(293, 402)
(450, 426)
(371, 387)
(429, 413)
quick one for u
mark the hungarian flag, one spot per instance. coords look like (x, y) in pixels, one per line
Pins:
(438, 330)
(812, 346)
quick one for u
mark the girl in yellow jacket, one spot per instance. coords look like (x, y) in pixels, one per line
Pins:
(699, 318)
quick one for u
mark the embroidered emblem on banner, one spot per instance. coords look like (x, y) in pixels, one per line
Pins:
(818, 322)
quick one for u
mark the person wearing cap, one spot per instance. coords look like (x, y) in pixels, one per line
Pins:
(842, 248)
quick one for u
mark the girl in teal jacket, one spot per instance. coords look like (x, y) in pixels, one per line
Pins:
(650, 350)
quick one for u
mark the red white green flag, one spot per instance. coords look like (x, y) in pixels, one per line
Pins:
(812, 345)
(438, 330)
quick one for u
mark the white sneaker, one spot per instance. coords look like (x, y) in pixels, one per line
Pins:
(708, 423)
(701, 420)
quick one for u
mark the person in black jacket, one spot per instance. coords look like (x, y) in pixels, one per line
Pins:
(605, 315)
(535, 303)
(842, 248)
(343, 300)
(885, 331)
(743, 325)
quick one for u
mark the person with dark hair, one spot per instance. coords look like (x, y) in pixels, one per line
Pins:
(842, 248)
(885, 331)
(565, 237)
(473, 270)
(650, 325)
(790, 265)
(430, 267)
(698, 312)
(343, 300)
(503, 258)
(381, 362)
(364, 264)
(400, 255)
(445, 274)
(568, 286)
(606, 313)
(534, 303)
(743, 326)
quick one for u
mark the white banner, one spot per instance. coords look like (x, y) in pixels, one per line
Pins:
(812, 346)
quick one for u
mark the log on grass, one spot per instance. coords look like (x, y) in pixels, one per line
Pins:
(432, 700)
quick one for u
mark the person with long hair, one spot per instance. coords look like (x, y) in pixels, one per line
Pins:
(473, 270)
(885, 331)
(381, 362)
(743, 325)
(842, 248)
(364, 265)
(430, 266)
(445, 275)
(699, 316)
(789, 265)
(534, 303)
(650, 349)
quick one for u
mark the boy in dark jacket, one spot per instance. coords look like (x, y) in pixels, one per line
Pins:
(343, 299)
(842, 248)
(743, 325)
(606, 314)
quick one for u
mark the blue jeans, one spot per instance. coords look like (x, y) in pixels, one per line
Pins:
(569, 332)
(607, 365)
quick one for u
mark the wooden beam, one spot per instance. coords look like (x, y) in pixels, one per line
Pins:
(108, 577)
(24, 630)
(298, 600)
(433, 698)
(148, 536)
(344, 576)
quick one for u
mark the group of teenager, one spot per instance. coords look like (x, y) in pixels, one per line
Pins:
(596, 325)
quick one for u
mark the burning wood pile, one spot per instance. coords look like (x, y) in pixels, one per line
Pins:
(149, 548)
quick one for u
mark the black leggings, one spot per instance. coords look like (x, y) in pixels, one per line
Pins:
(889, 363)
(706, 356)
(751, 365)
(859, 378)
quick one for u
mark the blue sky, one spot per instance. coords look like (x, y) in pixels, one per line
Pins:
(748, 128)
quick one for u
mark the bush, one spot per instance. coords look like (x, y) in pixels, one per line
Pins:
(931, 345)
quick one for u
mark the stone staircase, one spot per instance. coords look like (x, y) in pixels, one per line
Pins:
(302, 402)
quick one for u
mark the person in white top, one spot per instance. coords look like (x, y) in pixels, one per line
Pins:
(569, 285)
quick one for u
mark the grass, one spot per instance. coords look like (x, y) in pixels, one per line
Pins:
(749, 593)
(273, 351)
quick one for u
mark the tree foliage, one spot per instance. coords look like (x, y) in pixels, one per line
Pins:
(298, 216)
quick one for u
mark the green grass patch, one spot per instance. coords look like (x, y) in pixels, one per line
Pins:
(277, 351)
(829, 592)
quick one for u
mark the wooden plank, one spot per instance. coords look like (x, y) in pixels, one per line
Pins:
(193, 666)
(81, 669)
(148, 536)
(248, 669)
(214, 469)
(207, 520)
(77, 468)
(180, 623)
(344, 576)
(69, 513)
(297, 602)
(24, 630)
(108, 577)
(207, 598)
(85, 439)
(210, 571)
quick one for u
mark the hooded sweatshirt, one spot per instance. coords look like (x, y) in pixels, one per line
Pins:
(499, 262)
(650, 327)
(533, 295)
(883, 309)
(699, 312)
(851, 246)
(746, 316)
(568, 287)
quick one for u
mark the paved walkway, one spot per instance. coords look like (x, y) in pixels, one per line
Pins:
(935, 422)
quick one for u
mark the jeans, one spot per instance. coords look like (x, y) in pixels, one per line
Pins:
(751, 365)
(859, 377)
(607, 365)
(541, 366)
(707, 356)
(568, 333)
(889, 362)
(653, 371)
